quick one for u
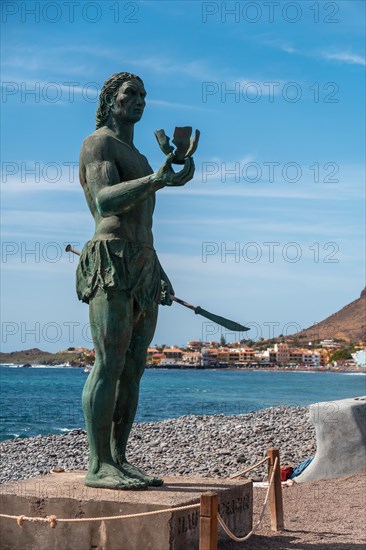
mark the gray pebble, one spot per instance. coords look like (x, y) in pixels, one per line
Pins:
(209, 446)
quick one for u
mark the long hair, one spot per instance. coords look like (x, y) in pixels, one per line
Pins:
(109, 93)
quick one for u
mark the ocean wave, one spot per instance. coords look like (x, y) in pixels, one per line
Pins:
(50, 367)
(353, 373)
(15, 366)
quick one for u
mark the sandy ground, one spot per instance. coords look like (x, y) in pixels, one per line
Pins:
(322, 515)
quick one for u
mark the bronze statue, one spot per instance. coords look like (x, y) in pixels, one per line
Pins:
(119, 275)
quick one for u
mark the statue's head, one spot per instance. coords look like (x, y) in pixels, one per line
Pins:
(109, 94)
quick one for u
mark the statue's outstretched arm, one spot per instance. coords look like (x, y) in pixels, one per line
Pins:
(113, 197)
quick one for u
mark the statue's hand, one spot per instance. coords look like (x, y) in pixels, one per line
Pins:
(167, 177)
(167, 291)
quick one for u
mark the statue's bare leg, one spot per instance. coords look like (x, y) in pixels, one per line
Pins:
(128, 391)
(111, 322)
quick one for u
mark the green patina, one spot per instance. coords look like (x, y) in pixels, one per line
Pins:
(119, 275)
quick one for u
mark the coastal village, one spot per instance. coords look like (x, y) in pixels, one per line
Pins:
(310, 349)
(328, 354)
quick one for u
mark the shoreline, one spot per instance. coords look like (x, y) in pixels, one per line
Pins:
(261, 369)
(194, 445)
(361, 370)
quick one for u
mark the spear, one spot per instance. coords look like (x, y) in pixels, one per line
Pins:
(222, 321)
(230, 325)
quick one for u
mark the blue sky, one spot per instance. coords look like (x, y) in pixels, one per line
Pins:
(277, 93)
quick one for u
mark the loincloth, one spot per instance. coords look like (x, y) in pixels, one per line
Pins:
(118, 265)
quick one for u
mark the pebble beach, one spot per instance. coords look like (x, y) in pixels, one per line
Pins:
(208, 446)
(218, 446)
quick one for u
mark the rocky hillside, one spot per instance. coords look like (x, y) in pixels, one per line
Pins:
(349, 323)
(36, 356)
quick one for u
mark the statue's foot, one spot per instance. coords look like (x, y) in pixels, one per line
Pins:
(112, 477)
(137, 473)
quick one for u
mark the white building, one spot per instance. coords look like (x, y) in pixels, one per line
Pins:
(360, 357)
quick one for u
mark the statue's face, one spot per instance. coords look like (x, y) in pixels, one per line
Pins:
(130, 102)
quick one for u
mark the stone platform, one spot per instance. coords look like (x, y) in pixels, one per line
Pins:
(65, 495)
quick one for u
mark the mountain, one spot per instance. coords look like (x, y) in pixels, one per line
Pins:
(349, 323)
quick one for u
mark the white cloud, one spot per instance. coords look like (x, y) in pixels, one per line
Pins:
(260, 225)
(35, 176)
(280, 45)
(45, 260)
(56, 62)
(287, 48)
(304, 191)
(189, 271)
(40, 61)
(349, 187)
(48, 224)
(346, 57)
(54, 93)
(171, 105)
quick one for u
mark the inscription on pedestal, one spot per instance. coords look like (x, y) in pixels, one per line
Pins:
(235, 507)
(188, 522)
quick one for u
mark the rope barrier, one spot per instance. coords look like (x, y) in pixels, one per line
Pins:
(250, 468)
(242, 539)
(53, 520)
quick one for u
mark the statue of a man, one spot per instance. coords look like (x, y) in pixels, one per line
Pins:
(120, 277)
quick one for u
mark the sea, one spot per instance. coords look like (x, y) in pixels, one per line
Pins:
(47, 400)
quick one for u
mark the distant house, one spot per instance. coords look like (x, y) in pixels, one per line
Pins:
(330, 343)
(360, 358)
(194, 345)
(173, 354)
(150, 353)
(157, 358)
(209, 356)
(192, 357)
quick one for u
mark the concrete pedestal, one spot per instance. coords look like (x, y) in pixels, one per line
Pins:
(66, 496)
(340, 439)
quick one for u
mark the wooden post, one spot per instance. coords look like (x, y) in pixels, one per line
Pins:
(275, 493)
(208, 521)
